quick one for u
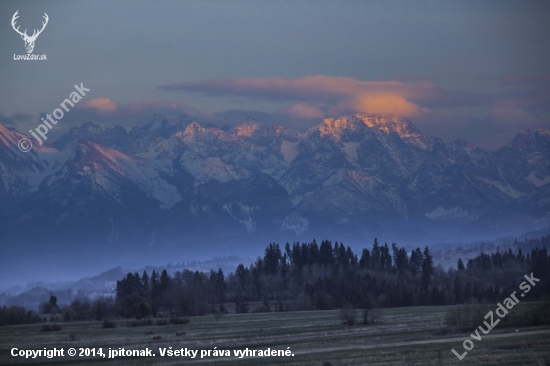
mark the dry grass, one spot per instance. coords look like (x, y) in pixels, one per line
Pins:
(402, 336)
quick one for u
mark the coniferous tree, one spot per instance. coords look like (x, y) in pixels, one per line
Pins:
(376, 255)
(313, 253)
(328, 277)
(400, 258)
(164, 281)
(385, 257)
(365, 261)
(145, 285)
(155, 287)
(325, 253)
(220, 286)
(427, 267)
(416, 261)
(53, 302)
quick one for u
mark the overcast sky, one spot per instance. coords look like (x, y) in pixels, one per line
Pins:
(473, 69)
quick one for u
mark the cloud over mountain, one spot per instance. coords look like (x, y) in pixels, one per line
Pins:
(335, 94)
(495, 116)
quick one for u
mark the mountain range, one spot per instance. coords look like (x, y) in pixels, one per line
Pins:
(194, 184)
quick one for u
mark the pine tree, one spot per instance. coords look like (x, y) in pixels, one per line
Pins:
(342, 258)
(164, 281)
(145, 286)
(416, 261)
(272, 257)
(241, 307)
(155, 287)
(365, 261)
(220, 286)
(313, 252)
(325, 253)
(241, 273)
(385, 257)
(53, 301)
(375, 255)
(427, 268)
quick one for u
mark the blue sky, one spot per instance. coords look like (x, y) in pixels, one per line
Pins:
(473, 69)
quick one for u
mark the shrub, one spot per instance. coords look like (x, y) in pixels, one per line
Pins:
(144, 310)
(223, 309)
(301, 304)
(217, 314)
(109, 324)
(175, 320)
(468, 317)
(140, 323)
(17, 315)
(528, 315)
(162, 322)
(68, 314)
(348, 315)
(50, 328)
(260, 309)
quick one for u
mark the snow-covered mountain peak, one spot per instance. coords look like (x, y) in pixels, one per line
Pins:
(245, 129)
(157, 123)
(94, 154)
(10, 137)
(463, 144)
(254, 128)
(91, 128)
(336, 127)
(195, 131)
(192, 129)
(359, 171)
(157, 127)
(359, 123)
(389, 124)
(530, 138)
(87, 130)
(110, 171)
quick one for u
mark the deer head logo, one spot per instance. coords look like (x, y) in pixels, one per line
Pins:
(29, 41)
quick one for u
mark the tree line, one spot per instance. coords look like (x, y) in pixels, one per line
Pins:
(313, 276)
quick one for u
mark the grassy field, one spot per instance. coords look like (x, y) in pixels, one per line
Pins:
(402, 336)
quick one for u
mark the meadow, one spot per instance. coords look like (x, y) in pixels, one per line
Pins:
(400, 336)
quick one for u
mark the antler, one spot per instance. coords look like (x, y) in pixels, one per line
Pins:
(35, 34)
(15, 16)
